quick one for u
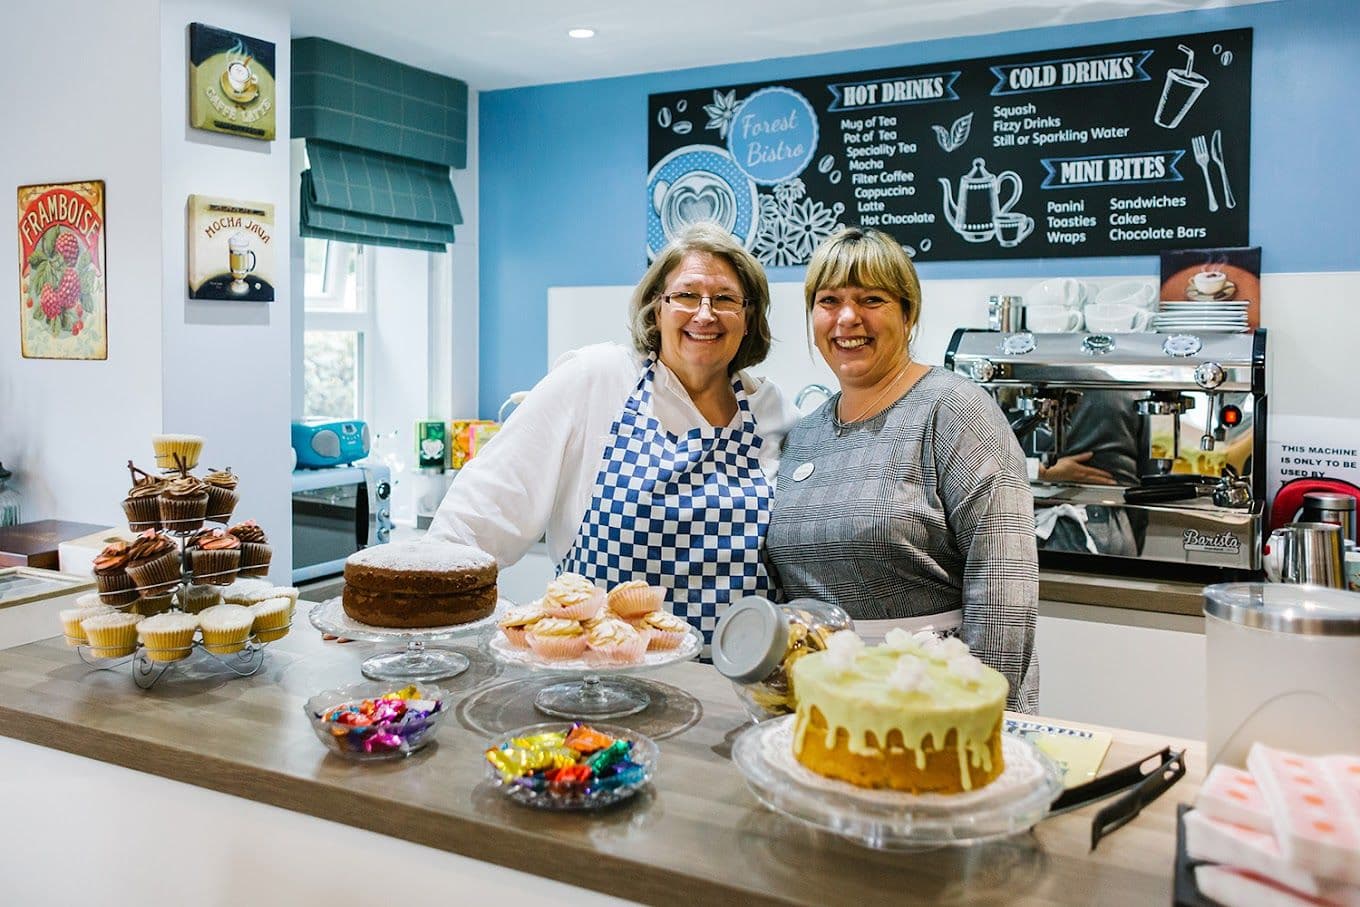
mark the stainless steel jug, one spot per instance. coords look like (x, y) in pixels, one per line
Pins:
(1308, 553)
(1325, 507)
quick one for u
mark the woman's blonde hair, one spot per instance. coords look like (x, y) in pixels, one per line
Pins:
(856, 257)
(711, 238)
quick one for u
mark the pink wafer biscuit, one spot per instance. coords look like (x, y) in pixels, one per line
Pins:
(1344, 773)
(1240, 888)
(1231, 795)
(1311, 820)
(1214, 841)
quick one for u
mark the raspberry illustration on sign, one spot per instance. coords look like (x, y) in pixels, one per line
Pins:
(61, 271)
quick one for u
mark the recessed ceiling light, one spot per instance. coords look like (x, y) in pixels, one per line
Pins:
(581, 32)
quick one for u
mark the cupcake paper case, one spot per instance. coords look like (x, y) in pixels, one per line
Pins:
(214, 557)
(272, 619)
(111, 577)
(225, 628)
(153, 564)
(188, 447)
(255, 551)
(222, 494)
(111, 635)
(183, 504)
(167, 637)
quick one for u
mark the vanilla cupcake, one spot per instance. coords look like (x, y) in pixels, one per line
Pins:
(664, 630)
(167, 637)
(214, 557)
(153, 564)
(187, 447)
(91, 600)
(112, 634)
(573, 597)
(111, 576)
(184, 504)
(246, 591)
(516, 623)
(222, 494)
(225, 628)
(255, 550)
(193, 599)
(635, 598)
(556, 638)
(272, 619)
(70, 622)
(614, 642)
(142, 504)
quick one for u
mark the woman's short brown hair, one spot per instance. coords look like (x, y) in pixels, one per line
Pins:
(856, 257)
(711, 238)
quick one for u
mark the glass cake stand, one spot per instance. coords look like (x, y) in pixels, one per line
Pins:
(590, 695)
(895, 820)
(417, 661)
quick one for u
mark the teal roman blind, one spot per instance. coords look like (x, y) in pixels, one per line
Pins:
(381, 137)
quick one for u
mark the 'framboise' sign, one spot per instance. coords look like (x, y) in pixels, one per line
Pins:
(62, 299)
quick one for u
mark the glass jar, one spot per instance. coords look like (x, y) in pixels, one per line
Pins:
(9, 500)
(757, 641)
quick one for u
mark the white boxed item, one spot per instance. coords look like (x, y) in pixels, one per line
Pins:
(76, 556)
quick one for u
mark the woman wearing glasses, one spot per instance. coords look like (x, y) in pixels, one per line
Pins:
(904, 499)
(653, 463)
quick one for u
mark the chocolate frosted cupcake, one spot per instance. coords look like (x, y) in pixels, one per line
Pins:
(214, 556)
(222, 496)
(142, 504)
(111, 577)
(255, 550)
(153, 564)
(184, 504)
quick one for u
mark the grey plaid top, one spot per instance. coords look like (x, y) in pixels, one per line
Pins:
(923, 509)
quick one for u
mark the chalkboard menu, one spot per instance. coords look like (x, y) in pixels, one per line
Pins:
(1112, 149)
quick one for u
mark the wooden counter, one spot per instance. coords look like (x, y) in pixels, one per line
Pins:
(699, 836)
(1160, 596)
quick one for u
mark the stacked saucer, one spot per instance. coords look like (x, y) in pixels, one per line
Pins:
(1201, 317)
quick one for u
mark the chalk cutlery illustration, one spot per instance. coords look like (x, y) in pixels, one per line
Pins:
(1201, 150)
(1216, 152)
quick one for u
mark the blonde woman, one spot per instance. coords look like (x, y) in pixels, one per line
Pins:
(904, 499)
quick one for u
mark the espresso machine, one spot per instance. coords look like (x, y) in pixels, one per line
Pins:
(1147, 451)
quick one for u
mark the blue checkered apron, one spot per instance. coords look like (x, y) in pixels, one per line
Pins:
(687, 513)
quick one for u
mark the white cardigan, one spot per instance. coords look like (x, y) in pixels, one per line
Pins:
(537, 474)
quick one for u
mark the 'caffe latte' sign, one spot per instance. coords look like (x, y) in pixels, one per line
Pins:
(231, 249)
(1130, 148)
(231, 82)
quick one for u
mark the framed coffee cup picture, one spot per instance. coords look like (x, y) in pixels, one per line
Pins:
(62, 300)
(231, 82)
(231, 249)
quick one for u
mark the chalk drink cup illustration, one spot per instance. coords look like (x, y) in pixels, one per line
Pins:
(1179, 92)
(241, 261)
(1012, 228)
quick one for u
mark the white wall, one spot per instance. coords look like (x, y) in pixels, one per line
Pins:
(225, 367)
(68, 427)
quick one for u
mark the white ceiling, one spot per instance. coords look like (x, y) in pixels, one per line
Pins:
(508, 43)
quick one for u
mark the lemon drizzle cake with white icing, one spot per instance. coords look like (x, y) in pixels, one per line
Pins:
(918, 714)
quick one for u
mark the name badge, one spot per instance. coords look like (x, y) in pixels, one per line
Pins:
(802, 472)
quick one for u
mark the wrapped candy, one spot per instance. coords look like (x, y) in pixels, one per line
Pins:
(382, 724)
(585, 739)
(611, 754)
(570, 766)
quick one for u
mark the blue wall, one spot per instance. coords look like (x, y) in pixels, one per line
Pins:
(564, 167)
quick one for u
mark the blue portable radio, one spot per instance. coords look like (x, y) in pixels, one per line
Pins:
(322, 444)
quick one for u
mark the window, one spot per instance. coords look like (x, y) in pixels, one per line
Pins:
(337, 316)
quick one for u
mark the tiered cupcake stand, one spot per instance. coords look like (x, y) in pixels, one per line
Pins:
(417, 661)
(145, 670)
(592, 691)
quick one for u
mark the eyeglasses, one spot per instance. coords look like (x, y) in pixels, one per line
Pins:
(721, 304)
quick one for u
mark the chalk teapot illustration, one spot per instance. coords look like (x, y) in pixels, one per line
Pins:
(973, 212)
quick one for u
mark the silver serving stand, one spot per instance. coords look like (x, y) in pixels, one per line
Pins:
(589, 694)
(417, 661)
